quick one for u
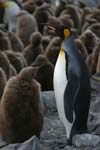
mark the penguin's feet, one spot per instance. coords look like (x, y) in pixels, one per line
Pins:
(82, 131)
(69, 142)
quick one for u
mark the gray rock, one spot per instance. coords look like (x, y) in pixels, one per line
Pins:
(85, 140)
(70, 148)
(31, 144)
(94, 112)
(94, 121)
(49, 101)
(95, 103)
(97, 130)
(53, 135)
(95, 85)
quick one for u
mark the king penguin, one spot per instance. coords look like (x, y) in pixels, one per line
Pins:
(71, 85)
(11, 9)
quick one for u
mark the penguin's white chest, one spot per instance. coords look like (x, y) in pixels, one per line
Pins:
(60, 83)
(60, 80)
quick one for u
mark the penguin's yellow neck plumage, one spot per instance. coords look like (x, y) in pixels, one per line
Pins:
(61, 55)
(61, 52)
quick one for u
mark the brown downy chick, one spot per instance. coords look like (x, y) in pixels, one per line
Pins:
(29, 6)
(21, 111)
(39, 2)
(40, 60)
(95, 28)
(95, 14)
(42, 15)
(26, 25)
(22, 59)
(94, 60)
(87, 23)
(4, 42)
(13, 70)
(74, 13)
(34, 49)
(45, 41)
(16, 43)
(82, 4)
(60, 8)
(14, 60)
(45, 72)
(5, 64)
(52, 50)
(65, 19)
(81, 48)
(86, 11)
(3, 80)
(89, 39)
(23, 1)
(98, 61)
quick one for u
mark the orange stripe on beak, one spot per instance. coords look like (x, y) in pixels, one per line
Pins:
(52, 28)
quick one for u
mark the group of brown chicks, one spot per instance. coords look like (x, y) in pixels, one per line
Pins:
(28, 57)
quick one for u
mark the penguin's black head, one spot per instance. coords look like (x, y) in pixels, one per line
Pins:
(61, 30)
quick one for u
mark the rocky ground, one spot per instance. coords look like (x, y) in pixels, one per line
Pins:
(53, 135)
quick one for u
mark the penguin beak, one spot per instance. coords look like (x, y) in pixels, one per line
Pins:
(51, 28)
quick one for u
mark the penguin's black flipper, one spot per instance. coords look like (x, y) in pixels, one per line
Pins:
(70, 95)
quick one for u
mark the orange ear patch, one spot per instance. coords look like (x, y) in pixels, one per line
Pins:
(66, 33)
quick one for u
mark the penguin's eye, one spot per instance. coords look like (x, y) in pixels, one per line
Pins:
(66, 33)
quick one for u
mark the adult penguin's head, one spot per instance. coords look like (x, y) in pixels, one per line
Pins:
(67, 38)
(61, 30)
